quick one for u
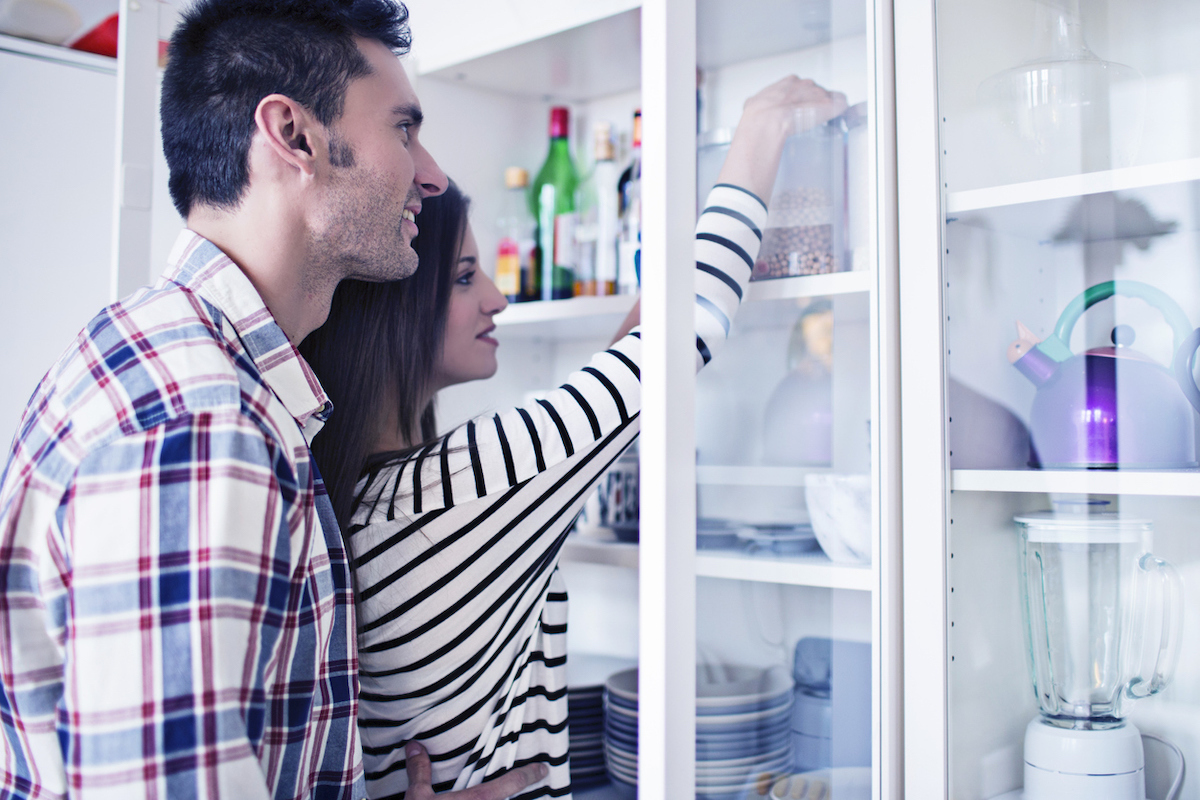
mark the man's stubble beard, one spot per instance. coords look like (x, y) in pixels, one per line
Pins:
(356, 239)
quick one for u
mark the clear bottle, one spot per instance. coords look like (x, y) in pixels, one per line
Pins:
(598, 219)
(629, 248)
(516, 254)
(553, 203)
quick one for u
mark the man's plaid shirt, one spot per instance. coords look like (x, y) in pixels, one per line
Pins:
(176, 618)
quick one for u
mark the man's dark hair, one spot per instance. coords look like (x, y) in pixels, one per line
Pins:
(226, 55)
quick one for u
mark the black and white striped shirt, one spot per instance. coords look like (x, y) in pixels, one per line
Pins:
(461, 609)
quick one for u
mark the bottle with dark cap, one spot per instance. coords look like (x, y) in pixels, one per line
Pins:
(552, 201)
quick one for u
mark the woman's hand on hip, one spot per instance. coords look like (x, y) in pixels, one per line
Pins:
(420, 779)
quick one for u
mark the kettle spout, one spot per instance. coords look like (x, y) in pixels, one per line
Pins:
(1026, 341)
(1026, 356)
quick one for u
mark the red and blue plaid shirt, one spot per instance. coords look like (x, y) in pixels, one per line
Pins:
(176, 618)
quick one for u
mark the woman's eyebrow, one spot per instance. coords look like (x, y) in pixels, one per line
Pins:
(467, 260)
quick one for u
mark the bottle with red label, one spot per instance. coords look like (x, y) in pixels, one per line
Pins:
(516, 254)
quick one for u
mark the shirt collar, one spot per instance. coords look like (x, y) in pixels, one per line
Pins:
(199, 266)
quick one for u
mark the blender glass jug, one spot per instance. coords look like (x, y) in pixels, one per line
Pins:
(1102, 615)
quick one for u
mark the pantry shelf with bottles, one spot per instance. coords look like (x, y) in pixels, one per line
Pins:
(760, 590)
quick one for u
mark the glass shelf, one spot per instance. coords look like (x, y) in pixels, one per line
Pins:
(1170, 483)
(722, 475)
(1074, 185)
(813, 569)
(834, 283)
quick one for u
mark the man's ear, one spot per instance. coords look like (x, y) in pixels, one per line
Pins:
(290, 133)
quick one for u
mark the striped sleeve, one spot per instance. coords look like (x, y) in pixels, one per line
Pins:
(493, 454)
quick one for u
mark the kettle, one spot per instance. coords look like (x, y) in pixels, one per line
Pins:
(1111, 407)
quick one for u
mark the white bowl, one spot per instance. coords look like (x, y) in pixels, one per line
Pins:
(839, 507)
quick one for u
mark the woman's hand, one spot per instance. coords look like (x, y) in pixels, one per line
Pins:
(768, 119)
(420, 779)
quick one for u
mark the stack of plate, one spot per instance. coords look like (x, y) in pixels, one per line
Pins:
(621, 727)
(586, 675)
(585, 715)
(742, 727)
(778, 539)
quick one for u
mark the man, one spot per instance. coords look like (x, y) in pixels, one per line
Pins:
(176, 615)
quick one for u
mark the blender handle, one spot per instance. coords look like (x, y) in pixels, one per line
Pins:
(1184, 365)
(1156, 577)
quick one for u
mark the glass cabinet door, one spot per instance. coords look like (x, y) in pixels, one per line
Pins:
(1053, 295)
(790, 567)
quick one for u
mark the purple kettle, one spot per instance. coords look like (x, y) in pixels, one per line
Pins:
(1111, 407)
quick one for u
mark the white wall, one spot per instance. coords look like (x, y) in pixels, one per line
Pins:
(56, 195)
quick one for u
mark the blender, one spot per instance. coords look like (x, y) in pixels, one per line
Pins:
(1102, 620)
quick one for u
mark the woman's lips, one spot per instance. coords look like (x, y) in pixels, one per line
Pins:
(484, 337)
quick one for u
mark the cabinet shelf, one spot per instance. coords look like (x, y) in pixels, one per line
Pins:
(814, 569)
(591, 550)
(858, 282)
(588, 317)
(1114, 180)
(596, 59)
(576, 318)
(58, 54)
(721, 475)
(1169, 483)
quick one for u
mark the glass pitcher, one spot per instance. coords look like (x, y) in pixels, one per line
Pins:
(1102, 615)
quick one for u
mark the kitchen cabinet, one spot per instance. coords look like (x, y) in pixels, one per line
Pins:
(75, 197)
(704, 453)
(1044, 148)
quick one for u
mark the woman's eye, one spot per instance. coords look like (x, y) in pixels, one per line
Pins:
(466, 278)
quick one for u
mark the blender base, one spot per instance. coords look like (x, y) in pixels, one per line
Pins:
(1067, 764)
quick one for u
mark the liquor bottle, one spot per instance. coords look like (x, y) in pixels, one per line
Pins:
(607, 204)
(596, 234)
(553, 204)
(516, 254)
(629, 249)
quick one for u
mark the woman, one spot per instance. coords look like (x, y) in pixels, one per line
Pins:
(455, 540)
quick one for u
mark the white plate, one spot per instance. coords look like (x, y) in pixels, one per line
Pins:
(733, 763)
(588, 671)
(718, 685)
(733, 685)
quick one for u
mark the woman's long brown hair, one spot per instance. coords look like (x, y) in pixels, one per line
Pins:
(380, 345)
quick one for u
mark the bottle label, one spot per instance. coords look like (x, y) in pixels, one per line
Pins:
(564, 240)
(508, 268)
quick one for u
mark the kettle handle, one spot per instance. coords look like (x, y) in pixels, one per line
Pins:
(1155, 578)
(1184, 366)
(1057, 346)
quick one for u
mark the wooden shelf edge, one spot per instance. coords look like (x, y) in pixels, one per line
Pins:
(814, 570)
(1180, 483)
(1074, 185)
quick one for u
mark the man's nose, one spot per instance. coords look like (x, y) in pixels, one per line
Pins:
(429, 176)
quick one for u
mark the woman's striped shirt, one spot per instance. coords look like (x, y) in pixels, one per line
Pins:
(462, 611)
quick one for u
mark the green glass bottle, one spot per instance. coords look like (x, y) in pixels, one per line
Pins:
(552, 201)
